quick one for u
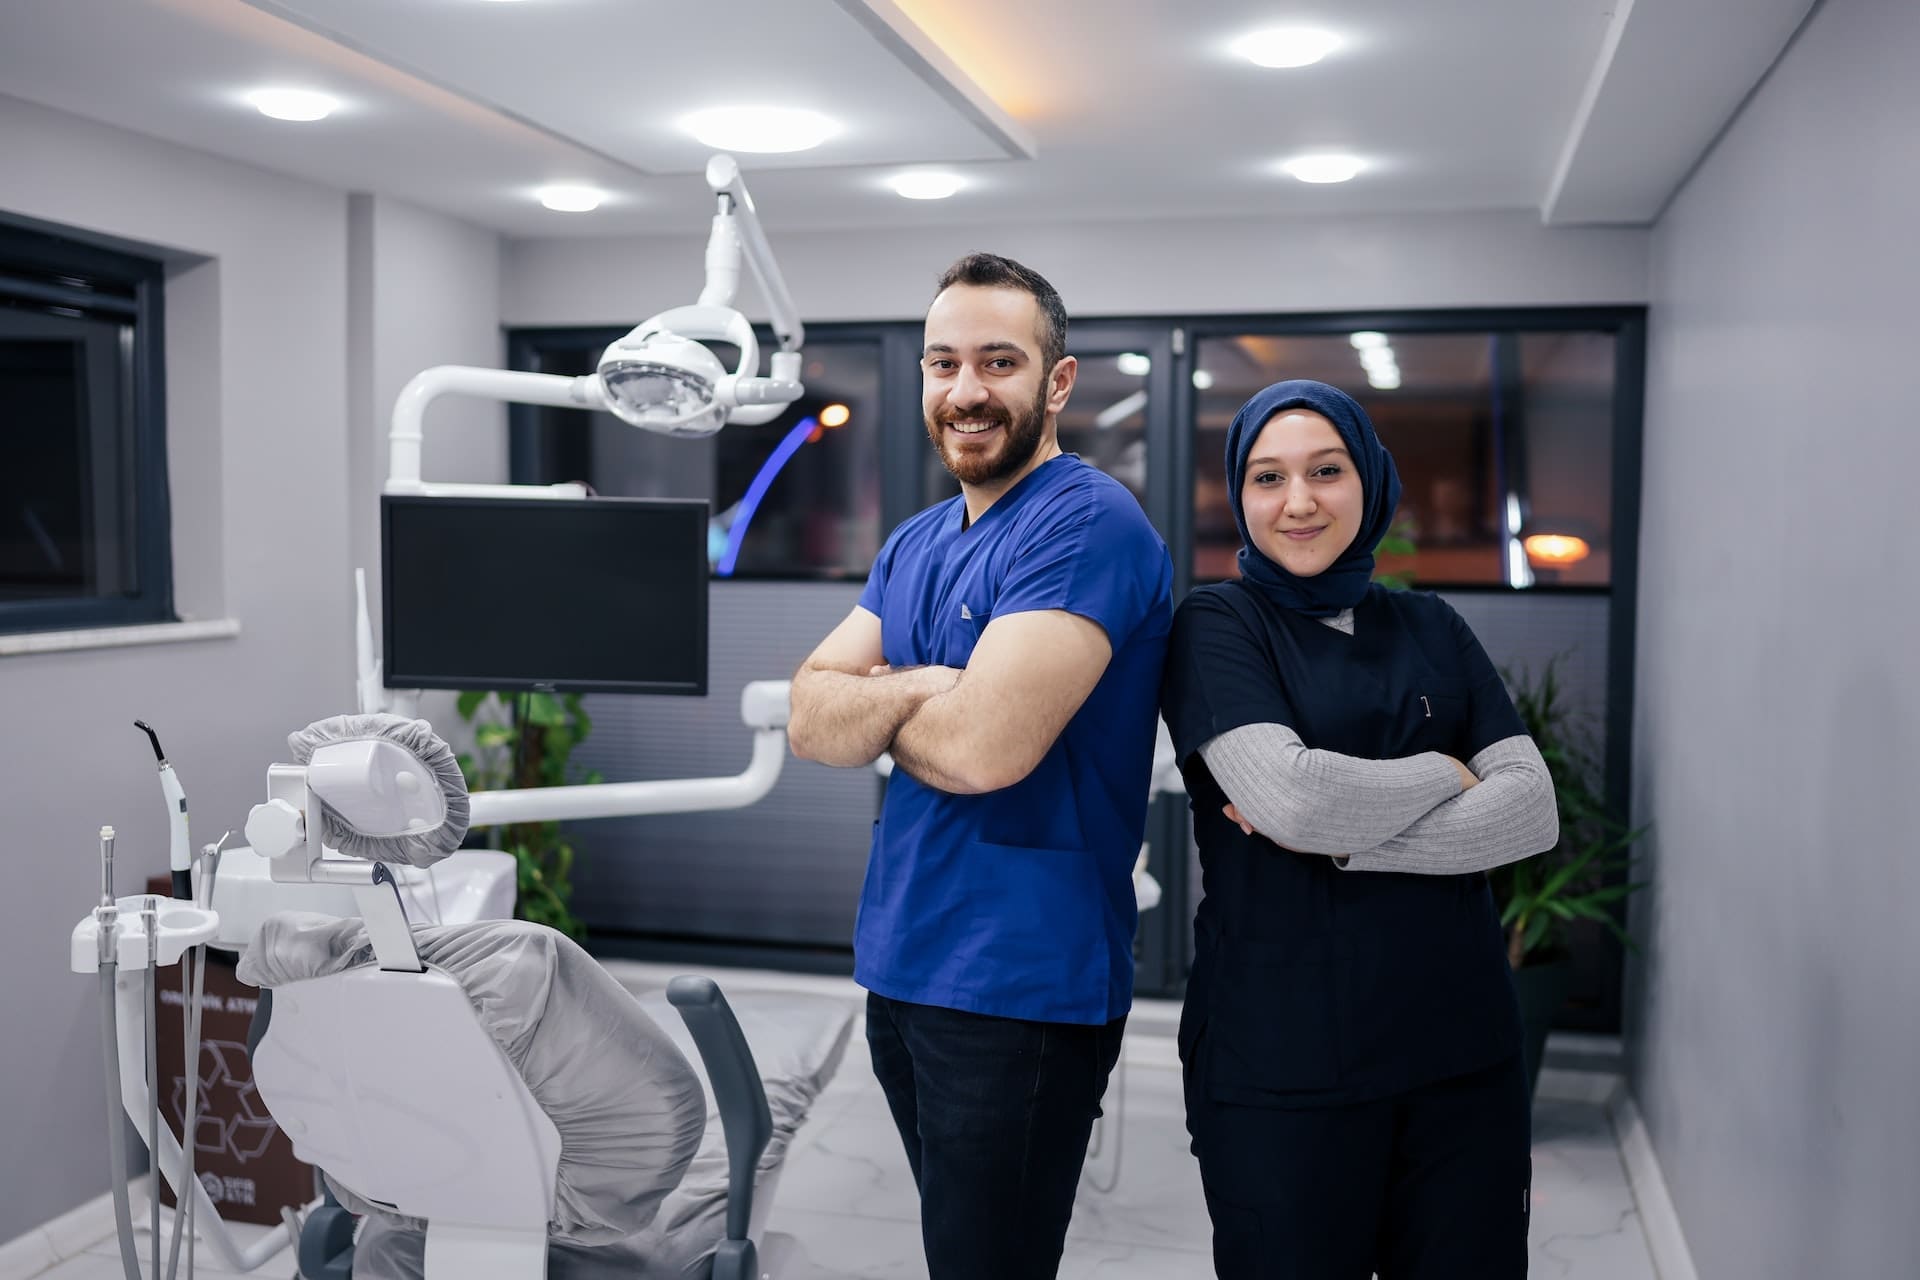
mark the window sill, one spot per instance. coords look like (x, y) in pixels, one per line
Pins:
(26, 642)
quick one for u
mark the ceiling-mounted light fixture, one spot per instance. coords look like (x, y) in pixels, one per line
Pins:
(1555, 550)
(1286, 46)
(761, 130)
(570, 199)
(1327, 167)
(301, 105)
(923, 184)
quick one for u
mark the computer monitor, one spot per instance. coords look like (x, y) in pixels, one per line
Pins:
(586, 595)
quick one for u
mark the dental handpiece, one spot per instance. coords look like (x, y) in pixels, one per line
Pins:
(179, 850)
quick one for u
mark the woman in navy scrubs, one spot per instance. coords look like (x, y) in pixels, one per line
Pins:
(1350, 1039)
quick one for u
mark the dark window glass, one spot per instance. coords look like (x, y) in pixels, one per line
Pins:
(82, 519)
(1503, 442)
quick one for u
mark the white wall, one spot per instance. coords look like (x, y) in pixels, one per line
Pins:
(1112, 268)
(271, 503)
(425, 291)
(1774, 1042)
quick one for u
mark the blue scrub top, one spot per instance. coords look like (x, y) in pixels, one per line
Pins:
(1019, 903)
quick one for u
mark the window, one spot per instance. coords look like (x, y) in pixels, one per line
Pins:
(795, 497)
(1504, 443)
(83, 495)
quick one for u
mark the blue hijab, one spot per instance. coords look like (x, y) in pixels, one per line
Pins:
(1344, 582)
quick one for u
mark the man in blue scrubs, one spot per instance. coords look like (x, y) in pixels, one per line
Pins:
(1007, 652)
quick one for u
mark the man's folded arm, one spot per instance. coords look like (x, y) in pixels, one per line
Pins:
(1028, 675)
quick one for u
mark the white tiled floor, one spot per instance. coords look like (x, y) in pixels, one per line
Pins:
(847, 1204)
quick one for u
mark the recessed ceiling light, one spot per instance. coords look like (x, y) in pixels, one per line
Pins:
(1378, 358)
(1384, 380)
(568, 199)
(1133, 364)
(763, 130)
(1202, 380)
(293, 104)
(924, 185)
(1324, 168)
(1368, 338)
(835, 415)
(1286, 46)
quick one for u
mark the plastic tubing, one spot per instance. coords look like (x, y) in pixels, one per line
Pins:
(116, 1137)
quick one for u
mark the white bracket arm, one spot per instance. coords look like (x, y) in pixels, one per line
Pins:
(410, 410)
(763, 706)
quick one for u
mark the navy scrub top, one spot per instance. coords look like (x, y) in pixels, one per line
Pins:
(1313, 985)
(1019, 903)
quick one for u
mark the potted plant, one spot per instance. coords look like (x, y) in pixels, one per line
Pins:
(1580, 878)
(530, 743)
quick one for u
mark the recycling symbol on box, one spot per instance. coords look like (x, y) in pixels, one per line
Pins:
(232, 1120)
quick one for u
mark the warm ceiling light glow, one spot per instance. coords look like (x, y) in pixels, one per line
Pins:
(763, 130)
(1367, 338)
(1324, 168)
(1286, 46)
(922, 185)
(1555, 549)
(293, 104)
(835, 415)
(1133, 364)
(570, 199)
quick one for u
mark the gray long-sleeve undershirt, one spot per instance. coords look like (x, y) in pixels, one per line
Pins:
(1407, 815)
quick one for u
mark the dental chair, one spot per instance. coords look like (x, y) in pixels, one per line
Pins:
(485, 1096)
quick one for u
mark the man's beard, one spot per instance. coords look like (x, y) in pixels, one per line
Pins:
(1020, 440)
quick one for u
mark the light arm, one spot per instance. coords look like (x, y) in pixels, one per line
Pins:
(1029, 674)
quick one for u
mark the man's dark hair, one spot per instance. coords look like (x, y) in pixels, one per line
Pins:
(991, 271)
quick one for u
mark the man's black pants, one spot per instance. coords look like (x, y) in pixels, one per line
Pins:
(1432, 1184)
(995, 1114)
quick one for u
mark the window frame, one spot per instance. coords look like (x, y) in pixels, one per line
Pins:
(142, 372)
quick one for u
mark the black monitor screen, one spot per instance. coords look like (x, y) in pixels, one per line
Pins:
(582, 595)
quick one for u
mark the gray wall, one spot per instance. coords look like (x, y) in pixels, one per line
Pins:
(263, 489)
(1774, 1045)
(1216, 266)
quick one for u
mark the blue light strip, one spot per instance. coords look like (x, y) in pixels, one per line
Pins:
(758, 490)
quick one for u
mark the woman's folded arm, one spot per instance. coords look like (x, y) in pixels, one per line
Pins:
(1317, 801)
(1511, 814)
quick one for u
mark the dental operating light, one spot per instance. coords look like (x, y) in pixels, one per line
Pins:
(663, 377)
(660, 377)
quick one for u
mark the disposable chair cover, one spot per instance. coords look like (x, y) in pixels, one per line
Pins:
(629, 1108)
(420, 848)
(797, 1041)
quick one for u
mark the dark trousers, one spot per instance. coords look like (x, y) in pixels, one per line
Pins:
(995, 1114)
(1434, 1184)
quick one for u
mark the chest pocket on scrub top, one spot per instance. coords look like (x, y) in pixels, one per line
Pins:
(1440, 708)
(958, 635)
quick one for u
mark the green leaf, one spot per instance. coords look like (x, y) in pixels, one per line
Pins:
(469, 702)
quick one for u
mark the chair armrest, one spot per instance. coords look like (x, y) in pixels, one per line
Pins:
(737, 1092)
